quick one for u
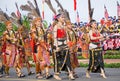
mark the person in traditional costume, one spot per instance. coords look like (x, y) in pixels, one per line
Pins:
(2, 66)
(44, 58)
(72, 44)
(24, 49)
(40, 49)
(96, 62)
(61, 52)
(85, 41)
(11, 57)
(118, 24)
(33, 43)
(50, 39)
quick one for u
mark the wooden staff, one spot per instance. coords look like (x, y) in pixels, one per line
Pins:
(90, 10)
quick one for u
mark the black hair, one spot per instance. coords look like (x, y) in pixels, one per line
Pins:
(58, 15)
(92, 21)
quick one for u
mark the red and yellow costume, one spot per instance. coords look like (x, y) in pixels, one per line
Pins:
(72, 44)
(39, 47)
(11, 50)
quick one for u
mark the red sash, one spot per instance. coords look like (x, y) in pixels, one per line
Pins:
(32, 43)
(61, 33)
(97, 40)
(3, 51)
(95, 35)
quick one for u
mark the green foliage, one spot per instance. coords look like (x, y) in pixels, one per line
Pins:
(52, 64)
(2, 28)
(45, 24)
(15, 28)
(26, 22)
(83, 65)
(106, 56)
(80, 57)
(30, 58)
(111, 56)
(112, 52)
(33, 65)
(111, 65)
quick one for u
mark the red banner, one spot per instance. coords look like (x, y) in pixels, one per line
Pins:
(118, 9)
(75, 5)
(106, 13)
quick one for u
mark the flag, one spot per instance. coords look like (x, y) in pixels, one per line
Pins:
(75, 5)
(77, 18)
(106, 13)
(118, 9)
(43, 9)
(18, 12)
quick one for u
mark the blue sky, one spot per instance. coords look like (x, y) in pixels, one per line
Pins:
(82, 7)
